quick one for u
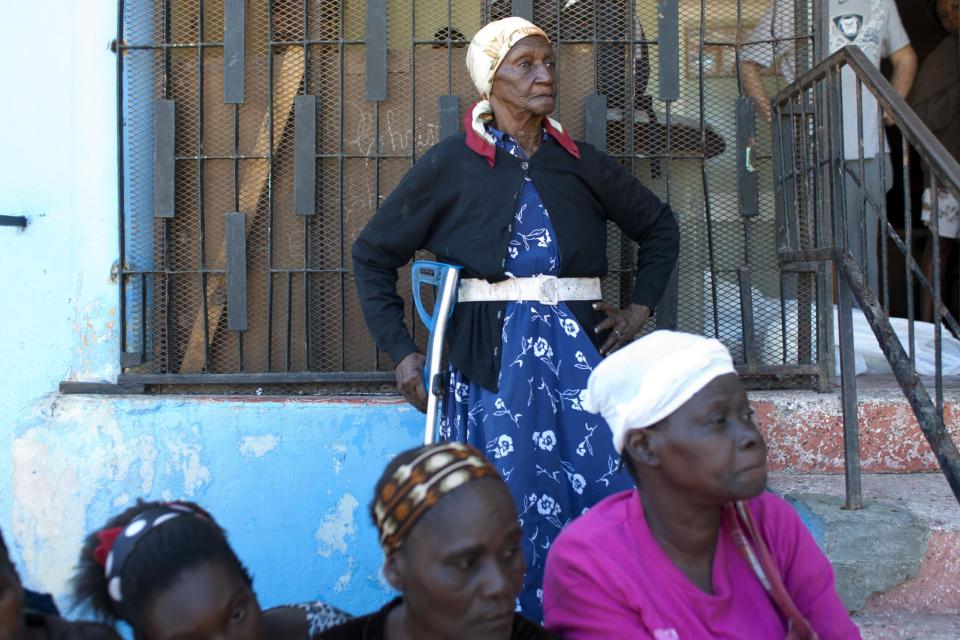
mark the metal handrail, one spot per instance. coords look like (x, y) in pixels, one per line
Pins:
(945, 171)
(912, 127)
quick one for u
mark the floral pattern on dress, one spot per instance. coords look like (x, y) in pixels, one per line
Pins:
(557, 459)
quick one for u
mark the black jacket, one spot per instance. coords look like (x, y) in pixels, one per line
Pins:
(374, 627)
(453, 204)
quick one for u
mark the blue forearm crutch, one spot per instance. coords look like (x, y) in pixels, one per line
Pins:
(445, 278)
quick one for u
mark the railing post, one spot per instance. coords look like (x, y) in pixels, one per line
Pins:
(848, 385)
(824, 221)
(848, 373)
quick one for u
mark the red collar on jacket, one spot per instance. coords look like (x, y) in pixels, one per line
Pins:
(488, 150)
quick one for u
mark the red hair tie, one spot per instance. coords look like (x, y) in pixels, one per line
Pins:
(107, 537)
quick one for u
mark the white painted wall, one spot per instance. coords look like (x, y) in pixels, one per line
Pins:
(58, 168)
(289, 480)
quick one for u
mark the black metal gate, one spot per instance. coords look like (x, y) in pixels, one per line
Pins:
(257, 138)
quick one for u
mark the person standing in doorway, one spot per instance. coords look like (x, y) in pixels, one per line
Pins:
(875, 27)
(936, 99)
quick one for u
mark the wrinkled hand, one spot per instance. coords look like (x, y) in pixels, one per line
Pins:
(624, 325)
(410, 385)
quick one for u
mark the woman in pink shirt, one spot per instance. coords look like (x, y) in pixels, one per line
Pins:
(698, 550)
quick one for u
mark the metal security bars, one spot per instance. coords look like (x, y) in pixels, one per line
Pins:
(257, 137)
(818, 225)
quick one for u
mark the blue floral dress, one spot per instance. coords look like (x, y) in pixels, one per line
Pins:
(557, 459)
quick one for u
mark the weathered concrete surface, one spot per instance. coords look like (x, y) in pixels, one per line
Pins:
(899, 555)
(872, 550)
(905, 626)
(289, 479)
(935, 588)
(804, 430)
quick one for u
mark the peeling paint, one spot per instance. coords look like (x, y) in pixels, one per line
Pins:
(257, 446)
(186, 458)
(340, 452)
(336, 526)
(382, 579)
(344, 581)
(59, 467)
(95, 335)
(46, 512)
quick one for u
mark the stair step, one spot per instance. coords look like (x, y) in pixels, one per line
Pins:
(900, 554)
(804, 429)
(906, 626)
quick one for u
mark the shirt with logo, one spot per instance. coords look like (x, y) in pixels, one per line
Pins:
(872, 25)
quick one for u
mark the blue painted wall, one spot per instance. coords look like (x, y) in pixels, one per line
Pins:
(289, 480)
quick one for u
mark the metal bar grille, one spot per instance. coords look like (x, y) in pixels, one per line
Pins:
(385, 79)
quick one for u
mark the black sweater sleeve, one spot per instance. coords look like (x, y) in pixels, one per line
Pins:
(397, 230)
(647, 221)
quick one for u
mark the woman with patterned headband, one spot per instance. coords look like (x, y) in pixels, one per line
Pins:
(451, 541)
(524, 210)
(167, 570)
(698, 549)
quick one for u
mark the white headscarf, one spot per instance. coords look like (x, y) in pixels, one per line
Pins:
(647, 380)
(486, 52)
(490, 46)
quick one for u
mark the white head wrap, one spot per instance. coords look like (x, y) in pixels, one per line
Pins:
(486, 52)
(647, 380)
(490, 46)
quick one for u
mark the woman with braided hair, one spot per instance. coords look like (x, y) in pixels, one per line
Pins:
(167, 570)
(451, 543)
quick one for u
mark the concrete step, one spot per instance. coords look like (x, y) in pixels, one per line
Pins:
(804, 429)
(900, 554)
(904, 626)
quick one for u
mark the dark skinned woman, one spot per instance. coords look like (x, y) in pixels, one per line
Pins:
(19, 621)
(698, 549)
(451, 542)
(523, 209)
(167, 570)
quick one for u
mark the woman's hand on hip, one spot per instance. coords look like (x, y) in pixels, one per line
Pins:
(410, 380)
(624, 324)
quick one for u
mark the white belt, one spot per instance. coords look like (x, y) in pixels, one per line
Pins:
(545, 289)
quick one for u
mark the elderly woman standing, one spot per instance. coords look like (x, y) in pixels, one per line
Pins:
(524, 210)
(698, 549)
